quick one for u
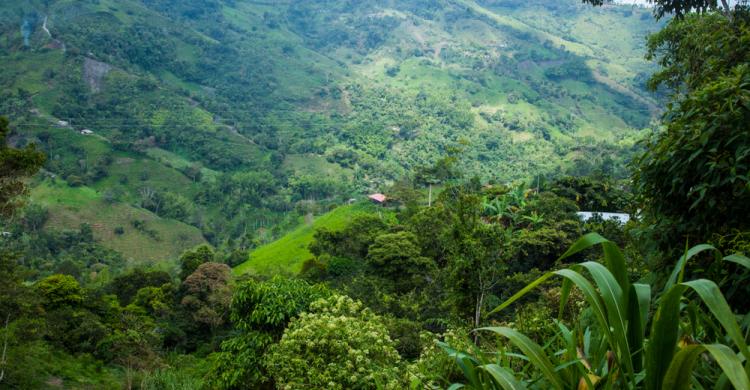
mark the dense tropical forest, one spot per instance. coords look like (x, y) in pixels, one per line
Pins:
(393, 194)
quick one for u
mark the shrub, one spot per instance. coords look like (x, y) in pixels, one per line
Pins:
(617, 351)
(337, 345)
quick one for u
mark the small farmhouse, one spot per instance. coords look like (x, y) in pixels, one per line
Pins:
(378, 198)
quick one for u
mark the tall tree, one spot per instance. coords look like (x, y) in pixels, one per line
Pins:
(680, 8)
(694, 178)
(15, 166)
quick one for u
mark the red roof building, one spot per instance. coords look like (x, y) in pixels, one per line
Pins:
(378, 198)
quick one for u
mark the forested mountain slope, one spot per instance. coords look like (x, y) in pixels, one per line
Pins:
(224, 120)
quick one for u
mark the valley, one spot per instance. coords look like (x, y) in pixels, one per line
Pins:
(386, 194)
(378, 91)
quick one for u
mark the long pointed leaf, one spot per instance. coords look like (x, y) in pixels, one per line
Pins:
(730, 364)
(713, 298)
(643, 292)
(679, 268)
(739, 259)
(640, 298)
(521, 293)
(614, 301)
(583, 243)
(533, 351)
(503, 378)
(616, 264)
(663, 337)
(680, 373)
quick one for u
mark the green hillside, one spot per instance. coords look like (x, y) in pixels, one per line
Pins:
(286, 255)
(136, 233)
(236, 116)
(384, 194)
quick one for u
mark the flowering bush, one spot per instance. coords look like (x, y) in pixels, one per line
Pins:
(338, 344)
(435, 369)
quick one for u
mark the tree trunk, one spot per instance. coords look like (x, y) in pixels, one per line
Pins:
(727, 10)
(478, 315)
(5, 349)
(429, 197)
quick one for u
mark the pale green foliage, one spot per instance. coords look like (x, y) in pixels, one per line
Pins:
(338, 344)
(259, 311)
(60, 290)
(434, 368)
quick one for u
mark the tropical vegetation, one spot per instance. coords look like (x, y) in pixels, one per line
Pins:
(184, 195)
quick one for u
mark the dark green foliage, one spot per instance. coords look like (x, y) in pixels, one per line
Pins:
(15, 164)
(354, 241)
(592, 194)
(538, 248)
(398, 257)
(680, 8)
(238, 118)
(192, 259)
(207, 294)
(126, 286)
(693, 179)
(697, 50)
(259, 312)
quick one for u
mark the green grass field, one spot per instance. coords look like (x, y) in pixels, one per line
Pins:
(70, 207)
(286, 255)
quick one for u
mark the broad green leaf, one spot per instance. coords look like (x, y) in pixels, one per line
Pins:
(638, 304)
(614, 301)
(502, 377)
(680, 373)
(713, 298)
(564, 295)
(730, 364)
(533, 351)
(521, 293)
(663, 337)
(616, 264)
(643, 292)
(583, 243)
(739, 259)
(679, 269)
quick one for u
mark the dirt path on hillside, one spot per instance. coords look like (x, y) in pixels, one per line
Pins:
(44, 27)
